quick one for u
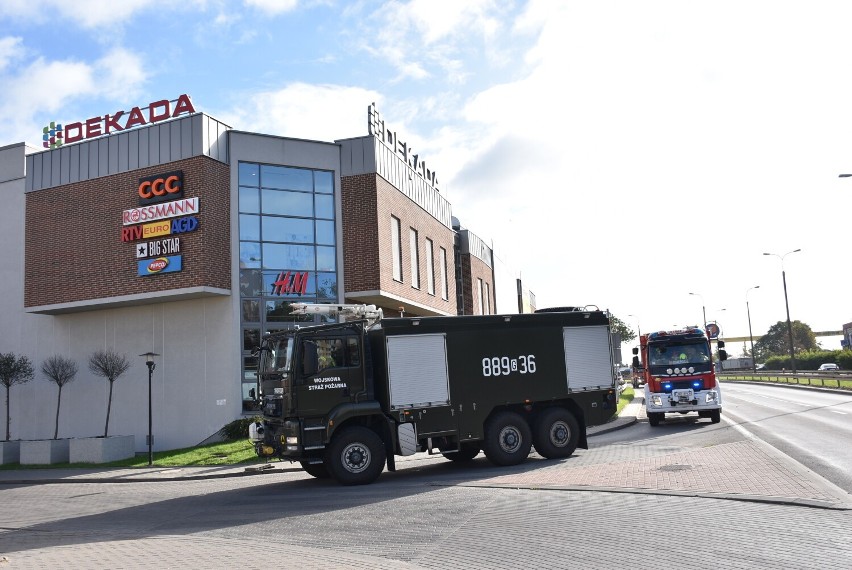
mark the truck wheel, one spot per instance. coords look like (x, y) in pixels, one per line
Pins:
(556, 433)
(716, 416)
(356, 456)
(508, 439)
(654, 419)
(317, 470)
(466, 452)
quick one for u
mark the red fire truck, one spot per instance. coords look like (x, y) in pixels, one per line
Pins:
(677, 369)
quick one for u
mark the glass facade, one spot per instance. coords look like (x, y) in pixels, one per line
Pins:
(288, 252)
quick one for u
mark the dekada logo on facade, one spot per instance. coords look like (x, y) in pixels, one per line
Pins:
(53, 135)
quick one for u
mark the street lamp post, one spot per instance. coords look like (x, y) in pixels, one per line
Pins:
(703, 310)
(149, 361)
(787, 306)
(751, 336)
(638, 327)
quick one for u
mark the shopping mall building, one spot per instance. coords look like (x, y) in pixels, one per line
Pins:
(164, 230)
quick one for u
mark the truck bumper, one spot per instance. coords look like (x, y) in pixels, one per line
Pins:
(681, 401)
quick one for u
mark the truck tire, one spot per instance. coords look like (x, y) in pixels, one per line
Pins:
(467, 451)
(356, 456)
(654, 419)
(556, 433)
(716, 416)
(508, 439)
(317, 470)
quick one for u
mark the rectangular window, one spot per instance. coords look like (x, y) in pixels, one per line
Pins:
(487, 299)
(430, 268)
(396, 245)
(479, 301)
(415, 259)
(443, 268)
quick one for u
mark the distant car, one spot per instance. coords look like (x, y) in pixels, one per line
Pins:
(828, 366)
(759, 367)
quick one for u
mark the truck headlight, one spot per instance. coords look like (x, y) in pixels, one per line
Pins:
(656, 401)
(710, 397)
(292, 440)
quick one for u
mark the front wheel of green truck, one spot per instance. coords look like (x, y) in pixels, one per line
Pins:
(654, 418)
(356, 456)
(508, 439)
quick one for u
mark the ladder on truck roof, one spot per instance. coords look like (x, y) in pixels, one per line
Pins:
(350, 312)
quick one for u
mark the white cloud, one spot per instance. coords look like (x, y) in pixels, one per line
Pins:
(300, 110)
(45, 86)
(10, 50)
(90, 13)
(273, 7)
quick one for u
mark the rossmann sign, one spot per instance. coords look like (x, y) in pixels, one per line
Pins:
(156, 111)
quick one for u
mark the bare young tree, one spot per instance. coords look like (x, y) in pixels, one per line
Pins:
(61, 371)
(14, 369)
(110, 365)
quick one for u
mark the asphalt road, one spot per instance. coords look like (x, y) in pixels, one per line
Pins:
(813, 427)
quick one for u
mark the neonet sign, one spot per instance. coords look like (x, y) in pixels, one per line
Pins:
(121, 121)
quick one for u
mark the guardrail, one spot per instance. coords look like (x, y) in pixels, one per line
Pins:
(842, 380)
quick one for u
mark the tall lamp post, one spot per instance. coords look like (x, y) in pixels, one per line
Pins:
(751, 336)
(787, 306)
(703, 310)
(638, 327)
(149, 361)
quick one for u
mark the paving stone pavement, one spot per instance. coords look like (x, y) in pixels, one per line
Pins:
(438, 527)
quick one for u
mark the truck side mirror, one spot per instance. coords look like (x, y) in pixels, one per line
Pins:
(252, 394)
(723, 354)
(636, 361)
(720, 343)
(635, 351)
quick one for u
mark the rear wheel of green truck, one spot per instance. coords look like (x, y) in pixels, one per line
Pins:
(508, 439)
(716, 416)
(356, 456)
(317, 470)
(654, 418)
(556, 433)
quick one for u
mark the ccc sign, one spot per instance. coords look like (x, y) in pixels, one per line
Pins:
(160, 188)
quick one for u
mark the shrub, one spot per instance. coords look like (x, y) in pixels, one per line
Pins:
(237, 429)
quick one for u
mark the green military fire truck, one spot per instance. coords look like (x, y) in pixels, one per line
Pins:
(344, 399)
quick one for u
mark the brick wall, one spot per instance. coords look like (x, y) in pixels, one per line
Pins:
(368, 203)
(474, 268)
(74, 250)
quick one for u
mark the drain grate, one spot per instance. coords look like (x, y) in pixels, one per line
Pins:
(675, 467)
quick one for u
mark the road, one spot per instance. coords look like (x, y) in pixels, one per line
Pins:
(813, 427)
(690, 493)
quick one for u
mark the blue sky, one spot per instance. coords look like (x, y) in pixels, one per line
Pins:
(616, 153)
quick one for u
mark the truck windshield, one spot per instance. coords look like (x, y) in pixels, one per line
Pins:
(677, 353)
(279, 356)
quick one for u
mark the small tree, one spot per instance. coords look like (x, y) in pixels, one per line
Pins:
(61, 371)
(13, 370)
(110, 365)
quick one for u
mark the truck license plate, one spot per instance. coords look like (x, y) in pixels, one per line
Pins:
(682, 395)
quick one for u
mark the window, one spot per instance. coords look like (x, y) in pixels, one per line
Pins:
(430, 269)
(288, 251)
(335, 352)
(396, 239)
(443, 268)
(487, 299)
(479, 301)
(415, 259)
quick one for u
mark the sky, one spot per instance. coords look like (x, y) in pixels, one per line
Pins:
(636, 156)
